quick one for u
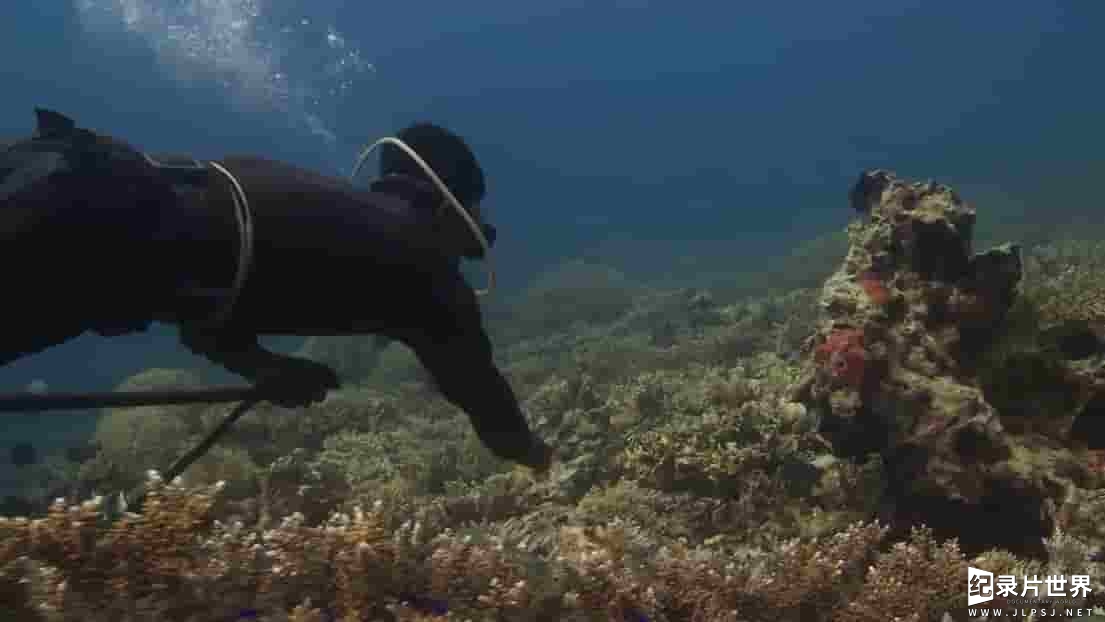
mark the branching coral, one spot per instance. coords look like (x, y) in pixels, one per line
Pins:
(137, 566)
(1066, 283)
(166, 563)
(917, 580)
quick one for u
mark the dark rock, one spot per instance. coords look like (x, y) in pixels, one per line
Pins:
(1074, 340)
(946, 455)
(1089, 424)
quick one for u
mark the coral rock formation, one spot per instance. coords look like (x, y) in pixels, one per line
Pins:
(904, 320)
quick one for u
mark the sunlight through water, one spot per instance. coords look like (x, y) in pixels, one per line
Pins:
(265, 55)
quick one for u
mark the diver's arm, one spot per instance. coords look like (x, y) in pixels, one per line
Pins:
(290, 380)
(464, 372)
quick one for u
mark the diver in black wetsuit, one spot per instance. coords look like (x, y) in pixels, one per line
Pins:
(98, 236)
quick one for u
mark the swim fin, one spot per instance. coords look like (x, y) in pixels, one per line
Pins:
(52, 124)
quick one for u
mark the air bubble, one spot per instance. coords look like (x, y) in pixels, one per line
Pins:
(231, 43)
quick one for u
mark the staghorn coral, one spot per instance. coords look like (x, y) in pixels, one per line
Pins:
(371, 459)
(731, 446)
(426, 456)
(1079, 515)
(805, 575)
(295, 484)
(165, 563)
(499, 497)
(918, 580)
(138, 566)
(1066, 283)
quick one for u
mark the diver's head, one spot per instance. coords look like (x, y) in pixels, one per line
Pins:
(453, 161)
(446, 153)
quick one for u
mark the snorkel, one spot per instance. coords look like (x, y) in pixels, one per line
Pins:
(450, 198)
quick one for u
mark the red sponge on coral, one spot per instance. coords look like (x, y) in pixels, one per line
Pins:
(844, 354)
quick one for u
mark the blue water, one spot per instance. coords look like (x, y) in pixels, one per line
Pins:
(732, 126)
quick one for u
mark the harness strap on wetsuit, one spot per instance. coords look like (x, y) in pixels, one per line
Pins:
(244, 217)
(186, 174)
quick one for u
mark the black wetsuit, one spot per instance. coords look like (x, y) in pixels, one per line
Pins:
(329, 259)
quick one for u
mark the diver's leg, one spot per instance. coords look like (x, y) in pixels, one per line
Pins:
(291, 381)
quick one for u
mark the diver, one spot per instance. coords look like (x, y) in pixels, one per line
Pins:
(98, 236)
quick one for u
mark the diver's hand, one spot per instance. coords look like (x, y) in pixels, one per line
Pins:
(542, 459)
(296, 382)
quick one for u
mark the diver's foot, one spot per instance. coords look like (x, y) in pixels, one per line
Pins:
(297, 383)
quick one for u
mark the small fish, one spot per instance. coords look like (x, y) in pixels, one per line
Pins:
(23, 454)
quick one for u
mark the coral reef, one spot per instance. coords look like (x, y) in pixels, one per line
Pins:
(1069, 281)
(576, 292)
(353, 358)
(1065, 291)
(165, 563)
(832, 454)
(903, 366)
